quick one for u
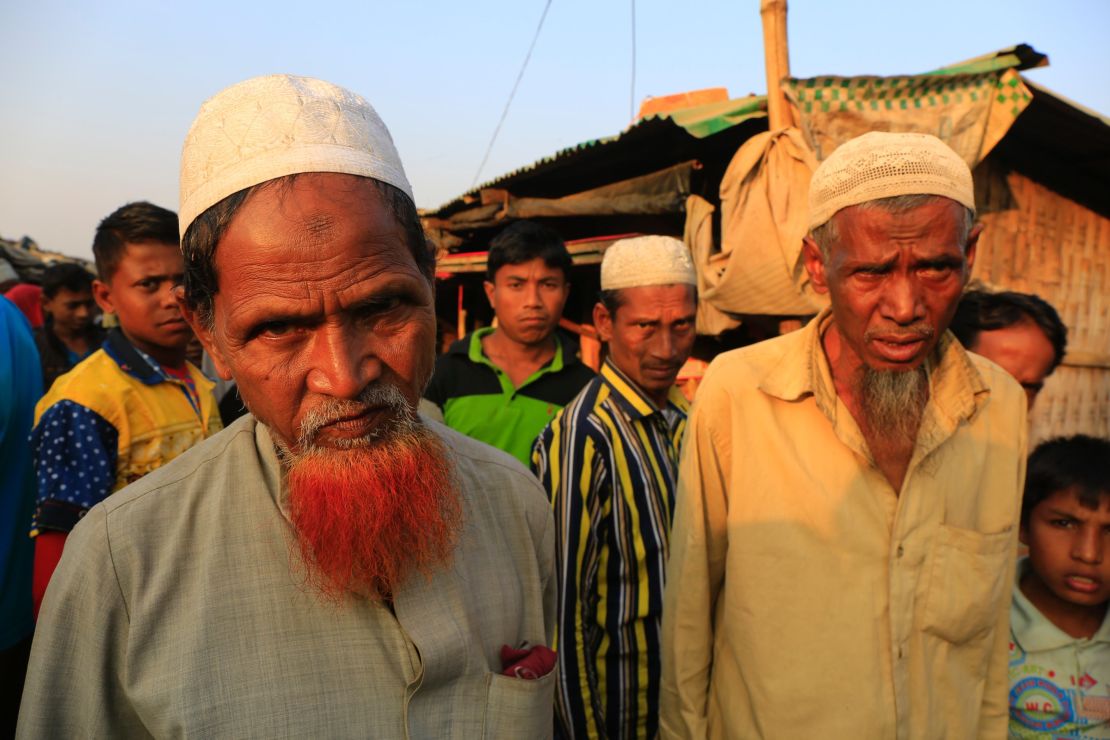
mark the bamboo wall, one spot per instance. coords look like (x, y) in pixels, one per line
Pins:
(1037, 241)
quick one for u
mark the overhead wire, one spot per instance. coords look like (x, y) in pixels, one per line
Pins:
(512, 93)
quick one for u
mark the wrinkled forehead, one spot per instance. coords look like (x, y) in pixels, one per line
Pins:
(318, 231)
(320, 201)
(652, 299)
(935, 220)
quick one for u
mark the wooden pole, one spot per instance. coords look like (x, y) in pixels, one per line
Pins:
(460, 326)
(776, 59)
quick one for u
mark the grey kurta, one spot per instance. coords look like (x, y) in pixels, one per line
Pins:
(177, 611)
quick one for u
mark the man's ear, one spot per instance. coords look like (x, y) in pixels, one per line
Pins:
(489, 294)
(603, 322)
(102, 294)
(203, 334)
(969, 250)
(47, 304)
(815, 265)
(1023, 535)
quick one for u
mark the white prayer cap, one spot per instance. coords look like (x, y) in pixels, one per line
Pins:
(883, 165)
(270, 127)
(647, 260)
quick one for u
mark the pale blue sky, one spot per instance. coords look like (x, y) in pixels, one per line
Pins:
(97, 96)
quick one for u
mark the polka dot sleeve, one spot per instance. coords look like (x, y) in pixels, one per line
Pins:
(75, 451)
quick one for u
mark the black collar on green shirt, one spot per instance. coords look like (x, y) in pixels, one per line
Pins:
(570, 347)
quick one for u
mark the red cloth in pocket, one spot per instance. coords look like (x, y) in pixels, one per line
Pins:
(527, 661)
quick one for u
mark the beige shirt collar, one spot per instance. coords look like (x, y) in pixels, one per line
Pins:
(956, 385)
(957, 389)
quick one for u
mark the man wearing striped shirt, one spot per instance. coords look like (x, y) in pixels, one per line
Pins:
(609, 462)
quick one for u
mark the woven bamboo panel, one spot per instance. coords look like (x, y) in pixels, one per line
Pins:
(1074, 400)
(1037, 241)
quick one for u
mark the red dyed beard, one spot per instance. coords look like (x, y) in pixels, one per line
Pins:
(368, 516)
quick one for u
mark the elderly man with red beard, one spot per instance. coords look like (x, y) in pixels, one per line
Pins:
(849, 494)
(332, 565)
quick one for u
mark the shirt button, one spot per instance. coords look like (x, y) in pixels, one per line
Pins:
(899, 551)
(899, 652)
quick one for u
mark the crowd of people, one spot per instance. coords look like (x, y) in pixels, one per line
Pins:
(501, 542)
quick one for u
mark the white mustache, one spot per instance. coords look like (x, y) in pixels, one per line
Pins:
(373, 397)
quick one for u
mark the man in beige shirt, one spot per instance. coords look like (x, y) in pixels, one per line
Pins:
(331, 565)
(849, 493)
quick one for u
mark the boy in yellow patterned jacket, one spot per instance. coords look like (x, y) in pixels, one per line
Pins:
(134, 404)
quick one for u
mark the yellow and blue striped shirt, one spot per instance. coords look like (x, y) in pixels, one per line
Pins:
(609, 463)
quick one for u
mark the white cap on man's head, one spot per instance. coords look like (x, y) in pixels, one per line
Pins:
(881, 164)
(647, 260)
(278, 125)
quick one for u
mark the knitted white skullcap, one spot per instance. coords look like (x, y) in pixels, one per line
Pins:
(883, 165)
(269, 127)
(647, 260)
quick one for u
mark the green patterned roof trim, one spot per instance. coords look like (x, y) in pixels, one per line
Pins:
(830, 94)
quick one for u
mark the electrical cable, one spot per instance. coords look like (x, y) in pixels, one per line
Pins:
(509, 102)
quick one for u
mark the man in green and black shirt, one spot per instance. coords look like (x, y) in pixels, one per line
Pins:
(503, 385)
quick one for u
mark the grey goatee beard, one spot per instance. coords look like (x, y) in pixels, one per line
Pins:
(893, 401)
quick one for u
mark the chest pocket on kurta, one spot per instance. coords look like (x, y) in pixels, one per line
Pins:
(967, 581)
(519, 707)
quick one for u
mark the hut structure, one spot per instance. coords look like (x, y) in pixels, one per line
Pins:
(1044, 195)
(706, 168)
(28, 259)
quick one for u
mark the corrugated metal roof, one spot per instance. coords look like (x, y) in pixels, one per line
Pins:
(699, 122)
(705, 120)
(1020, 57)
(683, 128)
